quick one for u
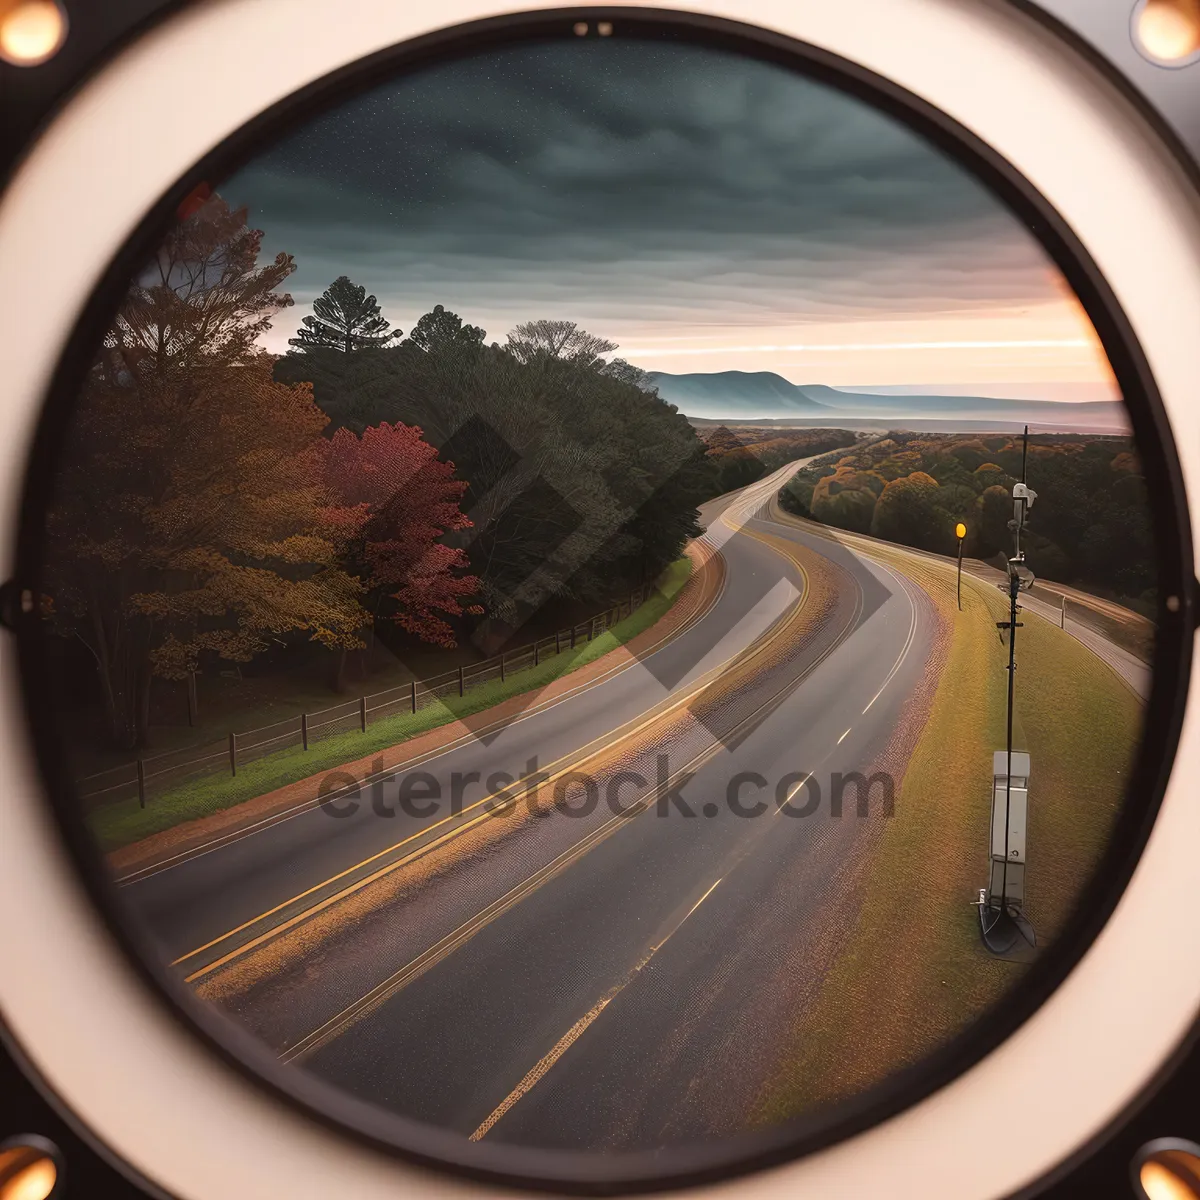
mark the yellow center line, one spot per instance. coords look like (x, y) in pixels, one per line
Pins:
(502, 807)
(442, 949)
(499, 800)
(564, 1043)
(278, 818)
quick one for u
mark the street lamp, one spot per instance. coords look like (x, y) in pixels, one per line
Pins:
(960, 531)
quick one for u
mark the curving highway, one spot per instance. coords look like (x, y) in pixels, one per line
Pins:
(592, 929)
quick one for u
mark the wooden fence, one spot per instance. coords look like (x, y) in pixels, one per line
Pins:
(150, 774)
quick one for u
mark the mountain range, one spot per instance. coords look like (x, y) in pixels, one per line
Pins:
(767, 398)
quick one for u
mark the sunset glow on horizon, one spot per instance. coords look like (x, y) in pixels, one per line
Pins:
(703, 212)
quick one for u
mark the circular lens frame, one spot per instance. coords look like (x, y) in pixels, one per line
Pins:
(525, 1166)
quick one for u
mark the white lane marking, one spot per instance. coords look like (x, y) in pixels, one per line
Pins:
(844, 737)
(912, 633)
(788, 799)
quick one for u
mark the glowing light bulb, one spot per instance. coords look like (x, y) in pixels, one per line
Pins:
(32, 1180)
(31, 31)
(1160, 1183)
(1169, 30)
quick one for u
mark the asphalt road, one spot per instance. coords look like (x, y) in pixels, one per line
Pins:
(587, 979)
(615, 971)
(212, 892)
(637, 999)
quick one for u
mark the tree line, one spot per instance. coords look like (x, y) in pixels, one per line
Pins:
(743, 454)
(1090, 527)
(579, 479)
(214, 501)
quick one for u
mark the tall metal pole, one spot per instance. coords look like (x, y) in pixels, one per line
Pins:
(1014, 587)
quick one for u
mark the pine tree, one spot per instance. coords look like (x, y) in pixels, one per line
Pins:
(440, 331)
(344, 318)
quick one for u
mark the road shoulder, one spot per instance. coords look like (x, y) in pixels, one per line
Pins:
(697, 597)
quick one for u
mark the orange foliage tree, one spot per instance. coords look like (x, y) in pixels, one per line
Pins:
(847, 498)
(190, 518)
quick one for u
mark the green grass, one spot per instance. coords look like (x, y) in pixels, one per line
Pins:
(123, 823)
(914, 971)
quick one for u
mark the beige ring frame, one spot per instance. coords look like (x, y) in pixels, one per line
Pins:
(107, 1045)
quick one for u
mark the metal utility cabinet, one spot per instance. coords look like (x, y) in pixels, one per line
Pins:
(1010, 799)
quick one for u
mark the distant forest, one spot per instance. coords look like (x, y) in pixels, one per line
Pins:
(1089, 528)
(744, 457)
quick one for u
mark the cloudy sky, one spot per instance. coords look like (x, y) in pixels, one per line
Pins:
(705, 211)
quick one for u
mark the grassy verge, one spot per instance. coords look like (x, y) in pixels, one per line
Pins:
(914, 972)
(120, 824)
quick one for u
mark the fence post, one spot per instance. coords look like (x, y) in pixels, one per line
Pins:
(304, 730)
(1062, 620)
(192, 701)
(572, 637)
(501, 666)
(233, 753)
(536, 658)
(362, 712)
(414, 695)
(462, 682)
(557, 642)
(592, 630)
(141, 784)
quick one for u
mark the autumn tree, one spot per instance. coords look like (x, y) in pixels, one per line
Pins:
(344, 318)
(995, 509)
(395, 501)
(907, 511)
(847, 498)
(1091, 527)
(581, 482)
(190, 520)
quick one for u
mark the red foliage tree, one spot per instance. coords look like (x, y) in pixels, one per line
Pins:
(394, 500)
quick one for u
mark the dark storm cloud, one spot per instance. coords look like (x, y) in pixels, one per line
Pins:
(595, 178)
